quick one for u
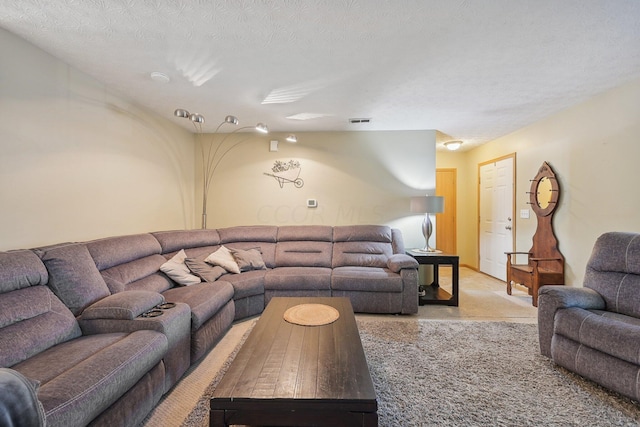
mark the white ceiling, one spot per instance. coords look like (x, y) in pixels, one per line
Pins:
(474, 70)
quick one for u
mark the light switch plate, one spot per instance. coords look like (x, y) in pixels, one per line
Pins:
(524, 213)
(273, 146)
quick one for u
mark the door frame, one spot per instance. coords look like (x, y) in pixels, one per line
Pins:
(513, 202)
(450, 209)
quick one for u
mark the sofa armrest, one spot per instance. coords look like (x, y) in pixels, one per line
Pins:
(551, 298)
(123, 306)
(19, 404)
(397, 262)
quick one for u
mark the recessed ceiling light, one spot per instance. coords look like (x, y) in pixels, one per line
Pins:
(307, 116)
(159, 77)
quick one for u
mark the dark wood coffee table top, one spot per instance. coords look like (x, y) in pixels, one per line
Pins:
(288, 374)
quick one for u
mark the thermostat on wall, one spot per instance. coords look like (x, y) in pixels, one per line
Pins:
(312, 203)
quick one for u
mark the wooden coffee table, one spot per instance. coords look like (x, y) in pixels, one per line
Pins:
(292, 375)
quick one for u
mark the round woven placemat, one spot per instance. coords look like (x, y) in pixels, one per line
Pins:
(311, 314)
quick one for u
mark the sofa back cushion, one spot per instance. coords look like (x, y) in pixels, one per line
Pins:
(259, 237)
(21, 269)
(304, 246)
(361, 246)
(174, 241)
(114, 251)
(73, 275)
(304, 254)
(32, 318)
(613, 270)
(315, 233)
(130, 263)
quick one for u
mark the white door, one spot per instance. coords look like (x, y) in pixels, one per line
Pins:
(496, 214)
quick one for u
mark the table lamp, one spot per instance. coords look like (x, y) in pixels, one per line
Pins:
(427, 205)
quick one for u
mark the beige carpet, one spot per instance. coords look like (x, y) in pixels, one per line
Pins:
(482, 298)
(175, 406)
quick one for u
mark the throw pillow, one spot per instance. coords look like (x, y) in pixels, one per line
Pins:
(250, 259)
(224, 259)
(177, 270)
(206, 272)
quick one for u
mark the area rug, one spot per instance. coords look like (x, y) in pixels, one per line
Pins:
(461, 373)
(464, 373)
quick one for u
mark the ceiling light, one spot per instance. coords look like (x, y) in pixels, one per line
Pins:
(307, 116)
(453, 145)
(231, 119)
(196, 118)
(182, 113)
(261, 127)
(159, 77)
(292, 138)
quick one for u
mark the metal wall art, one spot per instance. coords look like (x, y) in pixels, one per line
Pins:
(286, 173)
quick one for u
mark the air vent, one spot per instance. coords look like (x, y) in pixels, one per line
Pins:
(362, 120)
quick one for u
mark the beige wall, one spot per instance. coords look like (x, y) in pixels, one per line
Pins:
(78, 161)
(594, 149)
(356, 177)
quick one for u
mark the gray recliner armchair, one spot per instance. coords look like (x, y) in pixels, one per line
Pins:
(594, 331)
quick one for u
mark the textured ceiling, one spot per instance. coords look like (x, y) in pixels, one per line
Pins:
(474, 70)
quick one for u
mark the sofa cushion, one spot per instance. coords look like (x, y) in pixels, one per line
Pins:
(298, 278)
(251, 233)
(618, 336)
(262, 237)
(362, 254)
(73, 276)
(172, 241)
(205, 299)
(616, 251)
(83, 377)
(303, 254)
(370, 279)
(136, 274)
(613, 270)
(315, 233)
(247, 284)
(21, 269)
(619, 290)
(362, 233)
(114, 251)
(31, 321)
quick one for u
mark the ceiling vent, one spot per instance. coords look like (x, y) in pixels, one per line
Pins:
(362, 120)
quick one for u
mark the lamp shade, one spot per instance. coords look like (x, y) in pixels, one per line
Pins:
(427, 204)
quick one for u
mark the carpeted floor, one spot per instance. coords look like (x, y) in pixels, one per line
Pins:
(461, 373)
(435, 343)
(456, 373)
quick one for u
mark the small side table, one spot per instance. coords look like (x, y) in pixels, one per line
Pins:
(434, 293)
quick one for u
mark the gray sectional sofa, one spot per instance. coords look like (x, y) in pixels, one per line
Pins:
(101, 332)
(595, 330)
